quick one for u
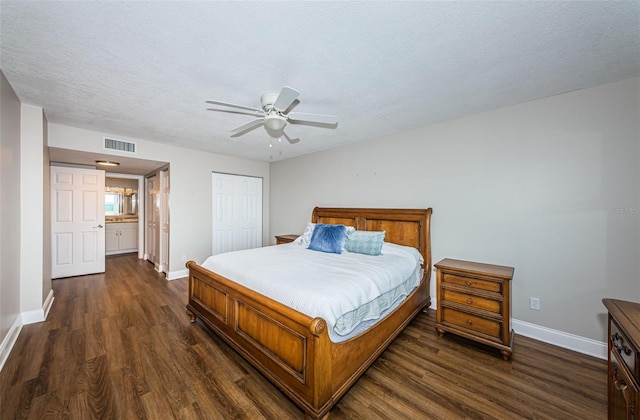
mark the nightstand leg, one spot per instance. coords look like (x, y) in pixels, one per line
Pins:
(191, 315)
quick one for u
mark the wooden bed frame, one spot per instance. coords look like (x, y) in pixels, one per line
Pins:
(292, 349)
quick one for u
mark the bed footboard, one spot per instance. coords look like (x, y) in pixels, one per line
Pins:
(290, 349)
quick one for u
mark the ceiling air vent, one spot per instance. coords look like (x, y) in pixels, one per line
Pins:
(119, 145)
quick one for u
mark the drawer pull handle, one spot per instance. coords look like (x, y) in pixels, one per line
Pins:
(469, 282)
(468, 322)
(620, 384)
(622, 348)
(469, 301)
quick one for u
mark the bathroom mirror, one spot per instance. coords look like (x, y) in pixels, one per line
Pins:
(130, 204)
(120, 201)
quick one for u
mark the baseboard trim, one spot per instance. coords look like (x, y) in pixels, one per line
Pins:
(10, 340)
(557, 338)
(561, 339)
(178, 274)
(25, 318)
(48, 303)
(38, 315)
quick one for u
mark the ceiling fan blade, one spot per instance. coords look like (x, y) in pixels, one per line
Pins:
(301, 117)
(248, 126)
(285, 98)
(289, 139)
(255, 114)
(235, 106)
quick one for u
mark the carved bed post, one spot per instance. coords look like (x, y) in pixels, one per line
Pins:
(190, 314)
(322, 366)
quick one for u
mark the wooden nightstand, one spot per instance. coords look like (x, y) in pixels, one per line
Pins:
(624, 358)
(474, 301)
(285, 239)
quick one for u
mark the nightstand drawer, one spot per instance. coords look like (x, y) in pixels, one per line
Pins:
(621, 345)
(473, 282)
(622, 389)
(473, 301)
(472, 322)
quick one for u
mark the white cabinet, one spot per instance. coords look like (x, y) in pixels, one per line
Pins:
(121, 238)
(111, 238)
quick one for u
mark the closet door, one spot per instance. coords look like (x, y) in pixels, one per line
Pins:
(237, 212)
(164, 220)
(153, 216)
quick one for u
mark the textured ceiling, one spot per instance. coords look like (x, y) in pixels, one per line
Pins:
(145, 69)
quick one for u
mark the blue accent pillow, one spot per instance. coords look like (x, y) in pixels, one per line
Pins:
(365, 242)
(328, 238)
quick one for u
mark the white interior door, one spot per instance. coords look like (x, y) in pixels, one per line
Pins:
(164, 220)
(152, 219)
(237, 212)
(77, 221)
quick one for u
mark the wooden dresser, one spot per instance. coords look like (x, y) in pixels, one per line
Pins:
(474, 301)
(285, 239)
(624, 363)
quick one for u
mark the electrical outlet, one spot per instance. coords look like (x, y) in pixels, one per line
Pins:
(534, 303)
(184, 258)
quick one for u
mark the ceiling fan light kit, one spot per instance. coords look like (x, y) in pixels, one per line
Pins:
(275, 122)
(274, 115)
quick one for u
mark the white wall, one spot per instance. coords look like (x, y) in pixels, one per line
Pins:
(550, 187)
(9, 211)
(47, 290)
(32, 293)
(121, 182)
(191, 201)
(25, 280)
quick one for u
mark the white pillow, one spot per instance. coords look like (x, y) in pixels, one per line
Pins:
(305, 238)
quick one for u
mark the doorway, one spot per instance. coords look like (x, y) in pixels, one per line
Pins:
(125, 191)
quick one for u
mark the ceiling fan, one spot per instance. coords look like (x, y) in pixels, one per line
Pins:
(274, 115)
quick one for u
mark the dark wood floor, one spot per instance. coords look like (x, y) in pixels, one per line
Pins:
(119, 346)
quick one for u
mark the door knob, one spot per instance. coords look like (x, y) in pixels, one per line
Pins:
(99, 226)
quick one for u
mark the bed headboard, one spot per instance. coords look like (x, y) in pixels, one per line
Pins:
(410, 227)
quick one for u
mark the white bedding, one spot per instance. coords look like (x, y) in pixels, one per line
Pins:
(347, 290)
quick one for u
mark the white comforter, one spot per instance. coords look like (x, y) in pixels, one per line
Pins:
(347, 290)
